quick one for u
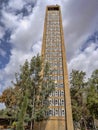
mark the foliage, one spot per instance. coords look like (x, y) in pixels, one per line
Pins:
(92, 95)
(77, 84)
(8, 97)
(29, 97)
(84, 96)
(28, 100)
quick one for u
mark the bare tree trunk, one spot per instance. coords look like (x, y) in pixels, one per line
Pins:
(39, 126)
(32, 125)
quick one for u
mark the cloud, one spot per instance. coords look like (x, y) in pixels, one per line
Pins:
(79, 21)
(28, 32)
(9, 20)
(16, 4)
(86, 61)
(17, 58)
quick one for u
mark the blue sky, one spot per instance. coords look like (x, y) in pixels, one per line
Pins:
(21, 30)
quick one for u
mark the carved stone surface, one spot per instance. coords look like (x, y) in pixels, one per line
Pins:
(53, 51)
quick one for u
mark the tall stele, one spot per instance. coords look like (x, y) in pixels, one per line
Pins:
(53, 51)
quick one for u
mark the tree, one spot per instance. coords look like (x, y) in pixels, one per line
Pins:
(9, 98)
(32, 88)
(92, 95)
(23, 80)
(84, 98)
(79, 109)
(39, 93)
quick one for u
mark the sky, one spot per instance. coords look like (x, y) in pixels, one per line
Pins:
(21, 31)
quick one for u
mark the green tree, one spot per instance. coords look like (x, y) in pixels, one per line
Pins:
(78, 95)
(23, 81)
(28, 101)
(34, 86)
(92, 95)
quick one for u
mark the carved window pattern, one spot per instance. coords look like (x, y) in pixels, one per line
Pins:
(53, 54)
(55, 112)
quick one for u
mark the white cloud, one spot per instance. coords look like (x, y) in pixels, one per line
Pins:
(9, 20)
(8, 73)
(16, 4)
(29, 30)
(79, 18)
(86, 61)
(36, 48)
(29, 8)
